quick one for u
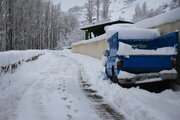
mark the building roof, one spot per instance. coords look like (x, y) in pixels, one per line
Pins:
(103, 24)
(98, 29)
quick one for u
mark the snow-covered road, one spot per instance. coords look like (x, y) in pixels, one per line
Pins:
(50, 88)
(55, 94)
(60, 85)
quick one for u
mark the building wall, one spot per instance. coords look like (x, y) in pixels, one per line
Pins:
(94, 49)
(169, 27)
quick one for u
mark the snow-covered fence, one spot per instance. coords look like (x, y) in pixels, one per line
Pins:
(10, 60)
(93, 47)
(14, 66)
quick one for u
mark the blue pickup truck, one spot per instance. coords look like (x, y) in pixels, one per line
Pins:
(147, 64)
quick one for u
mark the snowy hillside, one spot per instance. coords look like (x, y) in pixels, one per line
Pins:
(124, 9)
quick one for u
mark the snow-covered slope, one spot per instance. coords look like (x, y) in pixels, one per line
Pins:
(125, 9)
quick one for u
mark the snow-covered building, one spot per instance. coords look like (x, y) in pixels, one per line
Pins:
(95, 30)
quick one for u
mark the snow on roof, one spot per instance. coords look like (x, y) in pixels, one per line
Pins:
(101, 37)
(131, 31)
(92, 25)
(168, 17)
(104, 23)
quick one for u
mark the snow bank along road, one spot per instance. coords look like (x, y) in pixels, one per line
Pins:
(63, 86)
(51, 88)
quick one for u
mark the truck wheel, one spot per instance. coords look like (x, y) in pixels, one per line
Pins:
(106, 72)
(114, 78)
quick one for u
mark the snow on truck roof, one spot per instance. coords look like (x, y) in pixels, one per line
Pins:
(131, 31)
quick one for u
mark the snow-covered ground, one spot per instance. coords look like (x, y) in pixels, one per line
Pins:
(46, 89)
(49, 89)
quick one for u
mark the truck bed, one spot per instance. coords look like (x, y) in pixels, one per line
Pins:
(146, 63)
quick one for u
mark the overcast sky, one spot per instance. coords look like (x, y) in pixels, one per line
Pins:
(66, 4)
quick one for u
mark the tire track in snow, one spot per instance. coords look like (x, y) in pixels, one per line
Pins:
(104, 110)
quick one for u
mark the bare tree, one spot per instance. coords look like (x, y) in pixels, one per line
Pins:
(90, 10)
(142, 12)
(32, 24)
(105, 10)
(174, 4)
(98, 2)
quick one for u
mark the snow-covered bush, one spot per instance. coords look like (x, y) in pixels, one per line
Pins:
(142, 12)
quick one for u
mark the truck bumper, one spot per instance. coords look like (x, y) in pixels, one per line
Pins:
(150, 77)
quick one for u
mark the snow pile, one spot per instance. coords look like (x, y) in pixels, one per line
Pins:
(103, 60)
(125, 49)
(11, 57)
(125, 75)
(99, 38)
(168, 17)
(133, 103)
(130, 31)
(168, 71)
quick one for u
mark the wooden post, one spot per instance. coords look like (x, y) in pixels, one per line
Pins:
(86, 35)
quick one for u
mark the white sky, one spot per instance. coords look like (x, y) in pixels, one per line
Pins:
(66, 4)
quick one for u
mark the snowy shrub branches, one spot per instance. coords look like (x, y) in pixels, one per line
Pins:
(141, 12)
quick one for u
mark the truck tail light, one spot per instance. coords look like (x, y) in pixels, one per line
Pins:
(118, 64)
(174, 63)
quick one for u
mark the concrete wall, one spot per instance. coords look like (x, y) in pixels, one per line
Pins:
(169, 27)
(94, 49)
